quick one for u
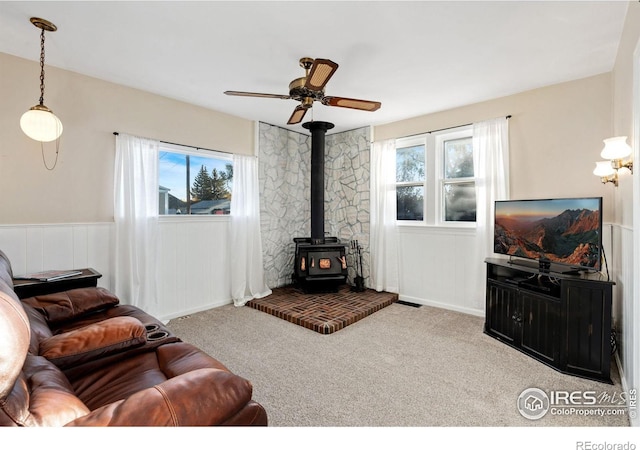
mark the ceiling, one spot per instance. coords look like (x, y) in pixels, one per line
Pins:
(415, 57)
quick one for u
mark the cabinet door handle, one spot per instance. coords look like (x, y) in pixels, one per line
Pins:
(517, 317)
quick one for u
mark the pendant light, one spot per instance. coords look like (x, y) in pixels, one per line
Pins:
(39, 123)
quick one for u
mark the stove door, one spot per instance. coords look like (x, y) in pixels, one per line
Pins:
(325, 262)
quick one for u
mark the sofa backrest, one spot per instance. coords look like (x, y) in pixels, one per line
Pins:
(33, 391)
(15, 337)
(6, 274)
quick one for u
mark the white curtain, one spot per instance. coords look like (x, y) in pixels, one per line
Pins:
(247, 270)
(491, 168)
(136, 220)
(384, 231)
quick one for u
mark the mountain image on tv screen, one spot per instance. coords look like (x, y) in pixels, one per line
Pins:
(566, 231)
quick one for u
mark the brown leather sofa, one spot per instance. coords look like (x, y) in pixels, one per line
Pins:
(80, 358)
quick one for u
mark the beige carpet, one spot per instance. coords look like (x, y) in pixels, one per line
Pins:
(401, 366)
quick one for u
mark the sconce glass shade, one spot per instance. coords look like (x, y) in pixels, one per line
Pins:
(40, 124)
(604, 169)
(616, 148)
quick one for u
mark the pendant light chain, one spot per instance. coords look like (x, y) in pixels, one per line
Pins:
(55, 162)
(42, 68)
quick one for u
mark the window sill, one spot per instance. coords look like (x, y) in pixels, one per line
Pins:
(182, 218)
(422, 228)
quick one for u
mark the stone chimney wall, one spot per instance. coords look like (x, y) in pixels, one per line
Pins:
(285, 213)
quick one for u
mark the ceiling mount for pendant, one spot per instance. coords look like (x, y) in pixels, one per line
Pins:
(43, 24)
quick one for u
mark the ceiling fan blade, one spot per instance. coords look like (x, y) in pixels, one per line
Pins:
(297, 115)
(257, 94)
(353, 103)
(321, 72)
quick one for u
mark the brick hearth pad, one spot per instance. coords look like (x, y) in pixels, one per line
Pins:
(324, 313)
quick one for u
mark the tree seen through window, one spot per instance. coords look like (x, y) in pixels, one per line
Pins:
(190, 183)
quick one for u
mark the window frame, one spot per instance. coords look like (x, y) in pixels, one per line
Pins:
(434, 181)
(440, 138)
(407, 143)
(192, 151)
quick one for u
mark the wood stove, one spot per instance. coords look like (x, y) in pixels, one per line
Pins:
(320, 262)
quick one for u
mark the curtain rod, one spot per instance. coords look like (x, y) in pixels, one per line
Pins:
(115, 133)
(444, 129)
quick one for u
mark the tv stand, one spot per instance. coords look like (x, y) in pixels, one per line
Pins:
(553, 267)
(560, 319)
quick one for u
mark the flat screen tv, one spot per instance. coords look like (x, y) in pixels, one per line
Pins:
(563, 231)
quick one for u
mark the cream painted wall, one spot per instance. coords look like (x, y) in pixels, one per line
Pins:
(555, 137)
(80, 188)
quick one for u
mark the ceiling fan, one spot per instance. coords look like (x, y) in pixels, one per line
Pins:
(310, 88)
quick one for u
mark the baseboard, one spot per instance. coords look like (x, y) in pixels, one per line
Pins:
(168, 317)
(460, 309)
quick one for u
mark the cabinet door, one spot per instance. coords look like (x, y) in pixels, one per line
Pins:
(540, 326)
(502, 312)
(588, 328)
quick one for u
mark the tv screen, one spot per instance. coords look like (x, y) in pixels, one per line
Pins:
(565, 231)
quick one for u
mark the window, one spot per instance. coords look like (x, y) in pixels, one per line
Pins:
(458, 183)
(410, 178)
(193, 181)
(435, 181)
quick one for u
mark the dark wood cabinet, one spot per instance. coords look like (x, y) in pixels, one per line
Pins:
(29, 288)
(562, 320)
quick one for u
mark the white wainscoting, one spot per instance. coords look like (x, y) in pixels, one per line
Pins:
(622, 272)
(193, 265)
(437, 268)
(193, 257)
(33, 248)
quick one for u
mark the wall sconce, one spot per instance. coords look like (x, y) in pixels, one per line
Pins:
(39, 123)
(615, 151)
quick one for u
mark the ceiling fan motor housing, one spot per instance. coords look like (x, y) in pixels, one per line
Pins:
(299, 91)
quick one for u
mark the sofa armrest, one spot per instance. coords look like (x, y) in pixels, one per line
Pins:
(198, 398)
(93, 341)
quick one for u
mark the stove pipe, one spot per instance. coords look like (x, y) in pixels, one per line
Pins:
(318, 131)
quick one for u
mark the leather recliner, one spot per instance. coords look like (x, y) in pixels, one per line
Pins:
(80, 358)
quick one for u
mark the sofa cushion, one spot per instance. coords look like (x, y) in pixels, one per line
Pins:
(196, 398)
(102, 385)
(67, 305)
(93, 341)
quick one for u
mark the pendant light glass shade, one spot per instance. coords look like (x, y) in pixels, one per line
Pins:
(40, 124)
